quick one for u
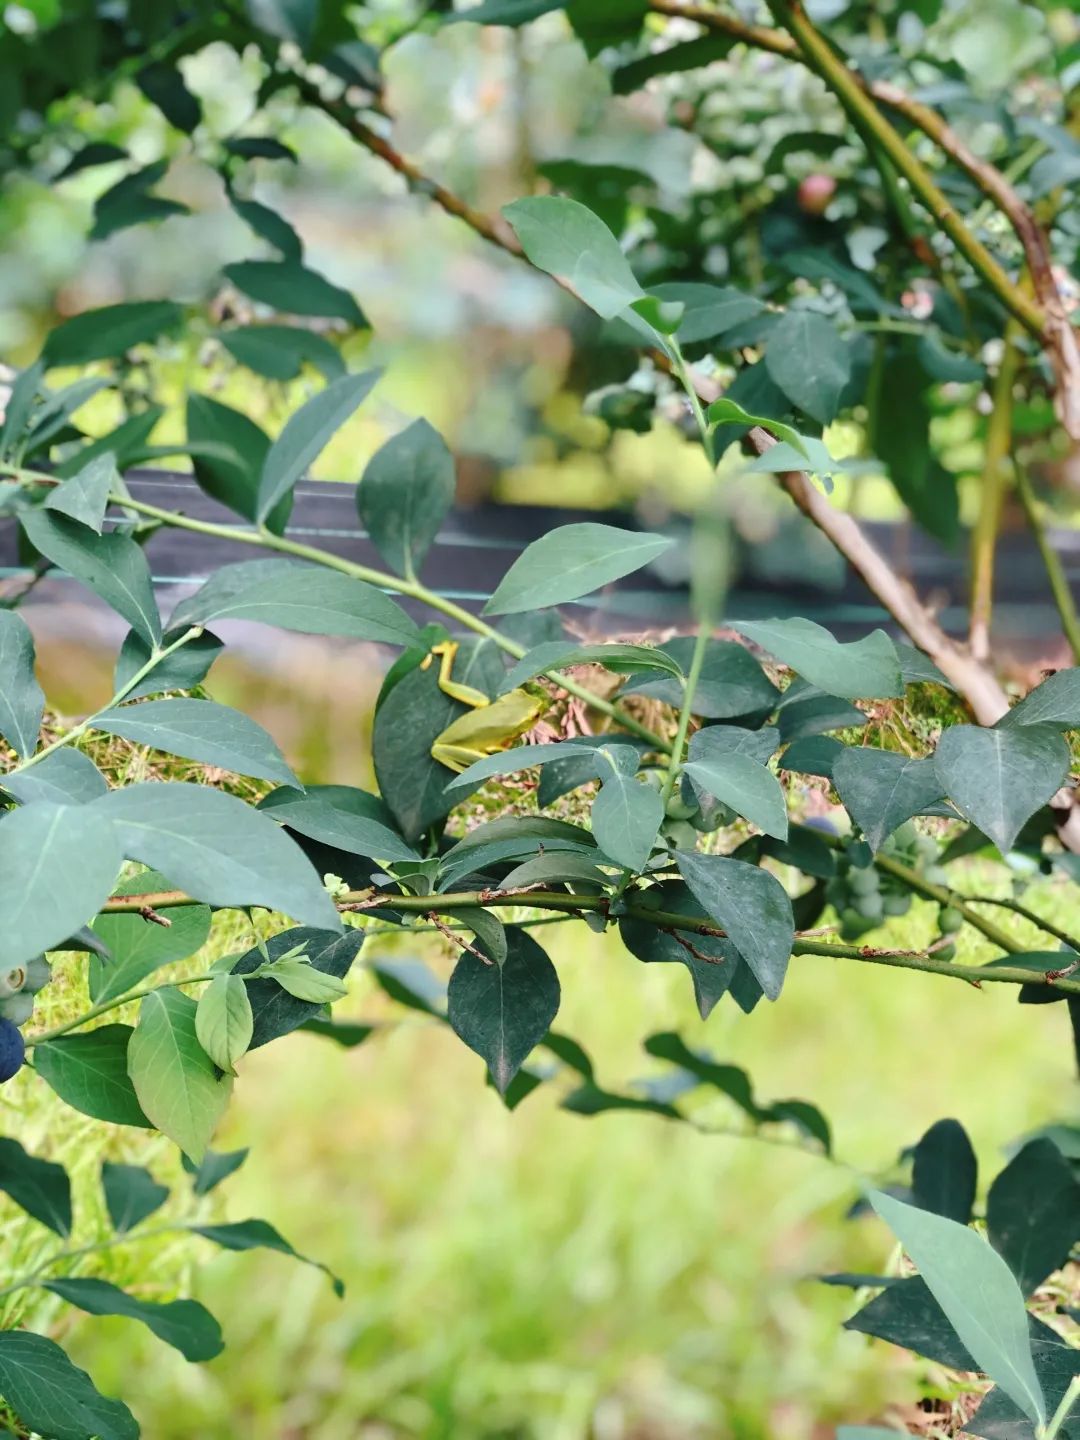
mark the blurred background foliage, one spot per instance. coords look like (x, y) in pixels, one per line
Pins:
(537, 1276)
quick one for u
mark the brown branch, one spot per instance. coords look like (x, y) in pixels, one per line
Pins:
(456, 939)
(151, 916)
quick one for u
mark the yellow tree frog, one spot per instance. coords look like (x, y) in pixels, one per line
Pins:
(489, 726)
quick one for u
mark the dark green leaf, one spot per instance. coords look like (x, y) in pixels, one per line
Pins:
(488, 930)
(816, 755)
(504, 12)
(96, 152)
(40, 1187)
(405, 494)
(1055, 702)
(269, 226)
(200, 730)
(805, 710)
(977, 1292)
(411, 983)
(138, 947)
(810, 362)
(184, 669)
(710, 309)
(567, 240)
(177, 1083)
(215, 1167)
(306, 435)
(184, 1324)
(58, 863)
(712, 976)
(342, 816)
(732, 685)
(259, 147)
(85, 496)
(744, 784)
(216, 848)
(945, 1172)
(132, 1194)
(866, 668)
(997, 779)
(626, 816)
(111, 565)
(1033, 1213)
(163, 86)
(107, 333)
(274, 1011)
(1056, 1363)
(22, 702)
(299, 597)
(52, 1396)
(90, 1073)
(407, 723)
(503, 1011)
(751, 906)
(564, 655)
(234, 480)
(906, 1314)
(294, 290)
(881, 789)
(280, 352)
(259, 1235)
(572, 561)
(562, 866)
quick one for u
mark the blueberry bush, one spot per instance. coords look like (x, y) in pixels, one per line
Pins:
(881, 245)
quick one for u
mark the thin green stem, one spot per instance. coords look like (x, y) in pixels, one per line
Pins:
(992, 494)
(693, 675)
(1051, 1430)
(79, 730)
(1047, 926)
(103, 1009)
(1055, 574)
(33, 1277)
(944, 896)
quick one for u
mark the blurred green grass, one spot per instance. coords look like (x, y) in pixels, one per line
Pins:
(538, 1274)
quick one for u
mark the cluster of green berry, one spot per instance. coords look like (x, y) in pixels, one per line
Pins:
(864, 896)
(18, 987)
(684, 817)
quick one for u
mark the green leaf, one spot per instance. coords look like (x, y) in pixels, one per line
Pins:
(200, 730)
(259, 1235)
(105, 334)
(184, 1324)
(712, 969)
(711, 310)
(90, 1073)
(567, 240)
(132, 1194)
(40, 1187)
(810, 453)
(306, 435)
(177, 1083)
(407, 723)
(64, 776)
(945, 1172)
(85, 496)
(504, 12)
(58, 863)
(855, 669)
(280, 352)
(907, 1314)
(295, 596)
(732, 685)
(558, 867)
(815, 755)
(22, 703)
(621, 658)
(572, 561)
(489, 931)
(294, 290)
(121, 207)
(1055, 702)
(304, 981)
(524, 757)
(136, 946)
(97, 152)
(750, 789)
(342, 816)
(184, 669)
(216, 848)
(275, 1010)
(1033, 1213)
(55, 1398)
(223, 1020)
(806, 710)
(997, 779)
(346, 1033)
(259, 147)
(626, 816)
(977, 1292)
(503, 1011)
(902, 441)
(215, 1167)
(232, 480)
(163, 86)
(112, 565)
(269, 226)
(881, 789)
(405, 494)
(810, 362)
(751, 906)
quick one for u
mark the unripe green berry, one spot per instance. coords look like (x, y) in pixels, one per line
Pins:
(17, 1008)
(679, 809)
(946, 952)
(950, 920)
